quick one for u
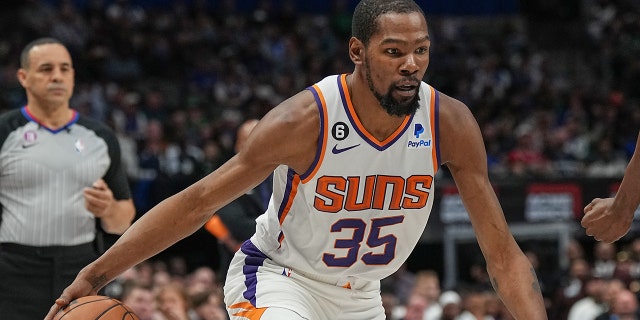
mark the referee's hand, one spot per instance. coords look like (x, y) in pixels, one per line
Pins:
(98, 198)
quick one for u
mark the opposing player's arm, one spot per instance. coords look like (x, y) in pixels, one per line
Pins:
(609, 219)
(462, 150)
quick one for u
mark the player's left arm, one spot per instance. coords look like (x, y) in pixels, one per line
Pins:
(462, 150)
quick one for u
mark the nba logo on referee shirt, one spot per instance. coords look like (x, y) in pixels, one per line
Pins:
(79, 145)
(29, 138)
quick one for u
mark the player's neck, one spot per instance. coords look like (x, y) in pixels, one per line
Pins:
(369, 112)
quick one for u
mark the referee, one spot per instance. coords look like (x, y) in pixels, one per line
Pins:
(59, 171)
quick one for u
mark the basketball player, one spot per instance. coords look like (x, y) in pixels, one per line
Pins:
(610, 219)
(355, 157)
(59, 171)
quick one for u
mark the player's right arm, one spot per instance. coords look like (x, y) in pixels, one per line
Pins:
(287, 135)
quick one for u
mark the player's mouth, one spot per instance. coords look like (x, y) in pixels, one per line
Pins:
(406, 90)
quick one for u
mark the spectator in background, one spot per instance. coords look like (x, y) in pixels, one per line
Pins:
(625, 307)
(173, 302)
(208, 305)
(151, 149)
(140, 298)
(525, 161)
(400, 283)
(235, 222)
(592, 304)
(416, 307)
(604, 260)
(612, 290)
(427, 284)
(202, 279)
(474, 304)
(605, 160)
(570, 288)
(451, 303)
(61, 185)
(390, 303)
(127, 116)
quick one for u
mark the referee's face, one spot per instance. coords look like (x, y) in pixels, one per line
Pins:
(49, 77)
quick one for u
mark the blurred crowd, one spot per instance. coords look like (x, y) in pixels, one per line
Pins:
(174, 81)
(600, 283)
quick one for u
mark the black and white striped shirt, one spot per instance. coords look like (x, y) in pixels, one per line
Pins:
(43, 173)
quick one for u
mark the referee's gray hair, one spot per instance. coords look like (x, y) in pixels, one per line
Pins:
(24, 56)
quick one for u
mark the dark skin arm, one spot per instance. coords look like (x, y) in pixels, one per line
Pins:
(610, 219)
(296, 121)
(462, 150)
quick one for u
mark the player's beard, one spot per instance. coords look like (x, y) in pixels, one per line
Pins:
(389, 103)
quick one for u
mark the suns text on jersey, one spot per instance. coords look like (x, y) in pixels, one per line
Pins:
(335, 193)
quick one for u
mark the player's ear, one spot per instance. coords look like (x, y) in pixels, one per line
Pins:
(356, 50)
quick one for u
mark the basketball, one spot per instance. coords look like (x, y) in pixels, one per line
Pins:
(96, 308)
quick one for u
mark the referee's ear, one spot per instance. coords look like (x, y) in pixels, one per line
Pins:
(21, 74)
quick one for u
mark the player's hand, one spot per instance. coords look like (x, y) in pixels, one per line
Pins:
(604, 224)
(98, 198)
(79, 288)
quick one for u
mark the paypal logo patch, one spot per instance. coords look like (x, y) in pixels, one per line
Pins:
(419, 129)
(422, 143)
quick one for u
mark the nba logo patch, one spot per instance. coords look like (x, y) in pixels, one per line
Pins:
(79, 145)
(29, 138)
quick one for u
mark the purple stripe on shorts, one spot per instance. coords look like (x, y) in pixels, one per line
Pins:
(254, 259)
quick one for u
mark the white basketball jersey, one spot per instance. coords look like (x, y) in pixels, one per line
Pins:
(363, 205)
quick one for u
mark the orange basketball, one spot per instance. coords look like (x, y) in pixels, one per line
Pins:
(96, 308)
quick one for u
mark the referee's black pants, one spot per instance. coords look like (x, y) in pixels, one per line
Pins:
(31, 278)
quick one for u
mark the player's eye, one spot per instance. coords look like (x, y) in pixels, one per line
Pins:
(422, 50)
(392, 51)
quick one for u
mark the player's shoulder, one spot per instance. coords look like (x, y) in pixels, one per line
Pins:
(300, 113)
(299, 108)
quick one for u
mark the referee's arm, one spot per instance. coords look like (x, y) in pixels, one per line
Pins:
(119, 217)
(115, 215)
